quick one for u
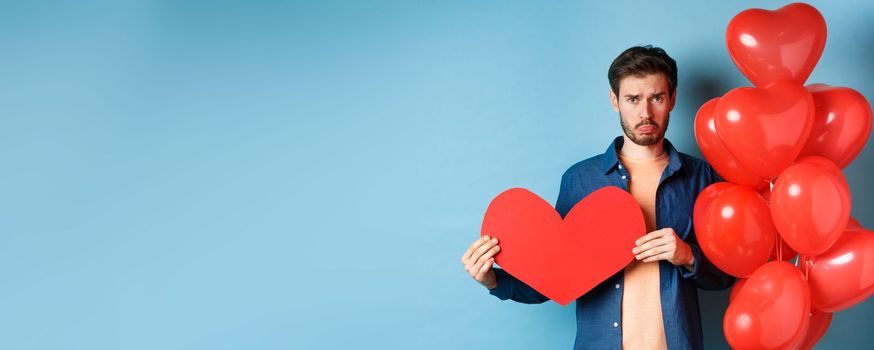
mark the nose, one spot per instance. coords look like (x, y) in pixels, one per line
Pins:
(646, 110)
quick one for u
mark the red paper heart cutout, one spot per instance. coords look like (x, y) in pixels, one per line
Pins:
(564, 259)
(765, 128)
(771, 45)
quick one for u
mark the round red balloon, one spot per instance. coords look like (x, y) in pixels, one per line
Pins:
(771, 45)
(735, 290)
(771, 311)
(735, 230)
(702, 203)
(765, 128)
(766, 193)
(810, 206)
(824, 163)
(842, 276)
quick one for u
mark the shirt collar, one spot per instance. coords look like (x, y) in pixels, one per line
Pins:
(611, 157)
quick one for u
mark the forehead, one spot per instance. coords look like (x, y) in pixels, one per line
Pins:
(648, 83)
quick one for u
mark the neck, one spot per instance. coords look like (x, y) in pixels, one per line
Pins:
(632, 150)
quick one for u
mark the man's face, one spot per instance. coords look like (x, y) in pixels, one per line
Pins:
(644, 107)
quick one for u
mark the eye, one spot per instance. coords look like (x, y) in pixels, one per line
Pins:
(632, 99)
(657, 99)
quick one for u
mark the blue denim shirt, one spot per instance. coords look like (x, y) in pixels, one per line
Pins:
(599, 311)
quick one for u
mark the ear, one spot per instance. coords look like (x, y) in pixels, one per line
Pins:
(673, 100)
(614, 101)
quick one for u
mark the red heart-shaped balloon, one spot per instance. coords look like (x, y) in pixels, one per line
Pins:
(765, 128)
(564, 259)
(771, 45)
(842, 276)
(841, 124)
(770, 311)
(853, 225)
(717, 155)
(819, 322)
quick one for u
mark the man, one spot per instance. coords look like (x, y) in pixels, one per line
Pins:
(653, 302)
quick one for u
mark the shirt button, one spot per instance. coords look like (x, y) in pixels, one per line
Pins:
(617, 285)
(623, 177)
(615, 324)
(620, 166)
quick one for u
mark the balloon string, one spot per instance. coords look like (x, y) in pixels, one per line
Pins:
(808, 263)
(779, 243)
(779, 248)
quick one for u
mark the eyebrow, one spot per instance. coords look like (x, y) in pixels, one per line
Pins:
(658, 94)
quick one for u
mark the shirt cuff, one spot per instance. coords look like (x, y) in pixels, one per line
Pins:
(696, 266)
(504, 289)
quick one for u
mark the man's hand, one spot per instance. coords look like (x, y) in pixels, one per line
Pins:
(664, 245)
(478, 260)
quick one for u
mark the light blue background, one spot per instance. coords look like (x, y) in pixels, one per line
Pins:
(295, 175)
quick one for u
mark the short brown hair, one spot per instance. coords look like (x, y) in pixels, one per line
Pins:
(640, 61)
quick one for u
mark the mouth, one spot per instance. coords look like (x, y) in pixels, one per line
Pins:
(648, 128)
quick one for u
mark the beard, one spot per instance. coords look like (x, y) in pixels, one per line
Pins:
(648, 139)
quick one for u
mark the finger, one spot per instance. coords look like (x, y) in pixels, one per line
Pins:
(482, 249)
(648, 246)
(649, 236)
(473, 269)
(654, 239)
(654, 251)
(484, 269)
(488, 254)
(662, 256)
(473, 247)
